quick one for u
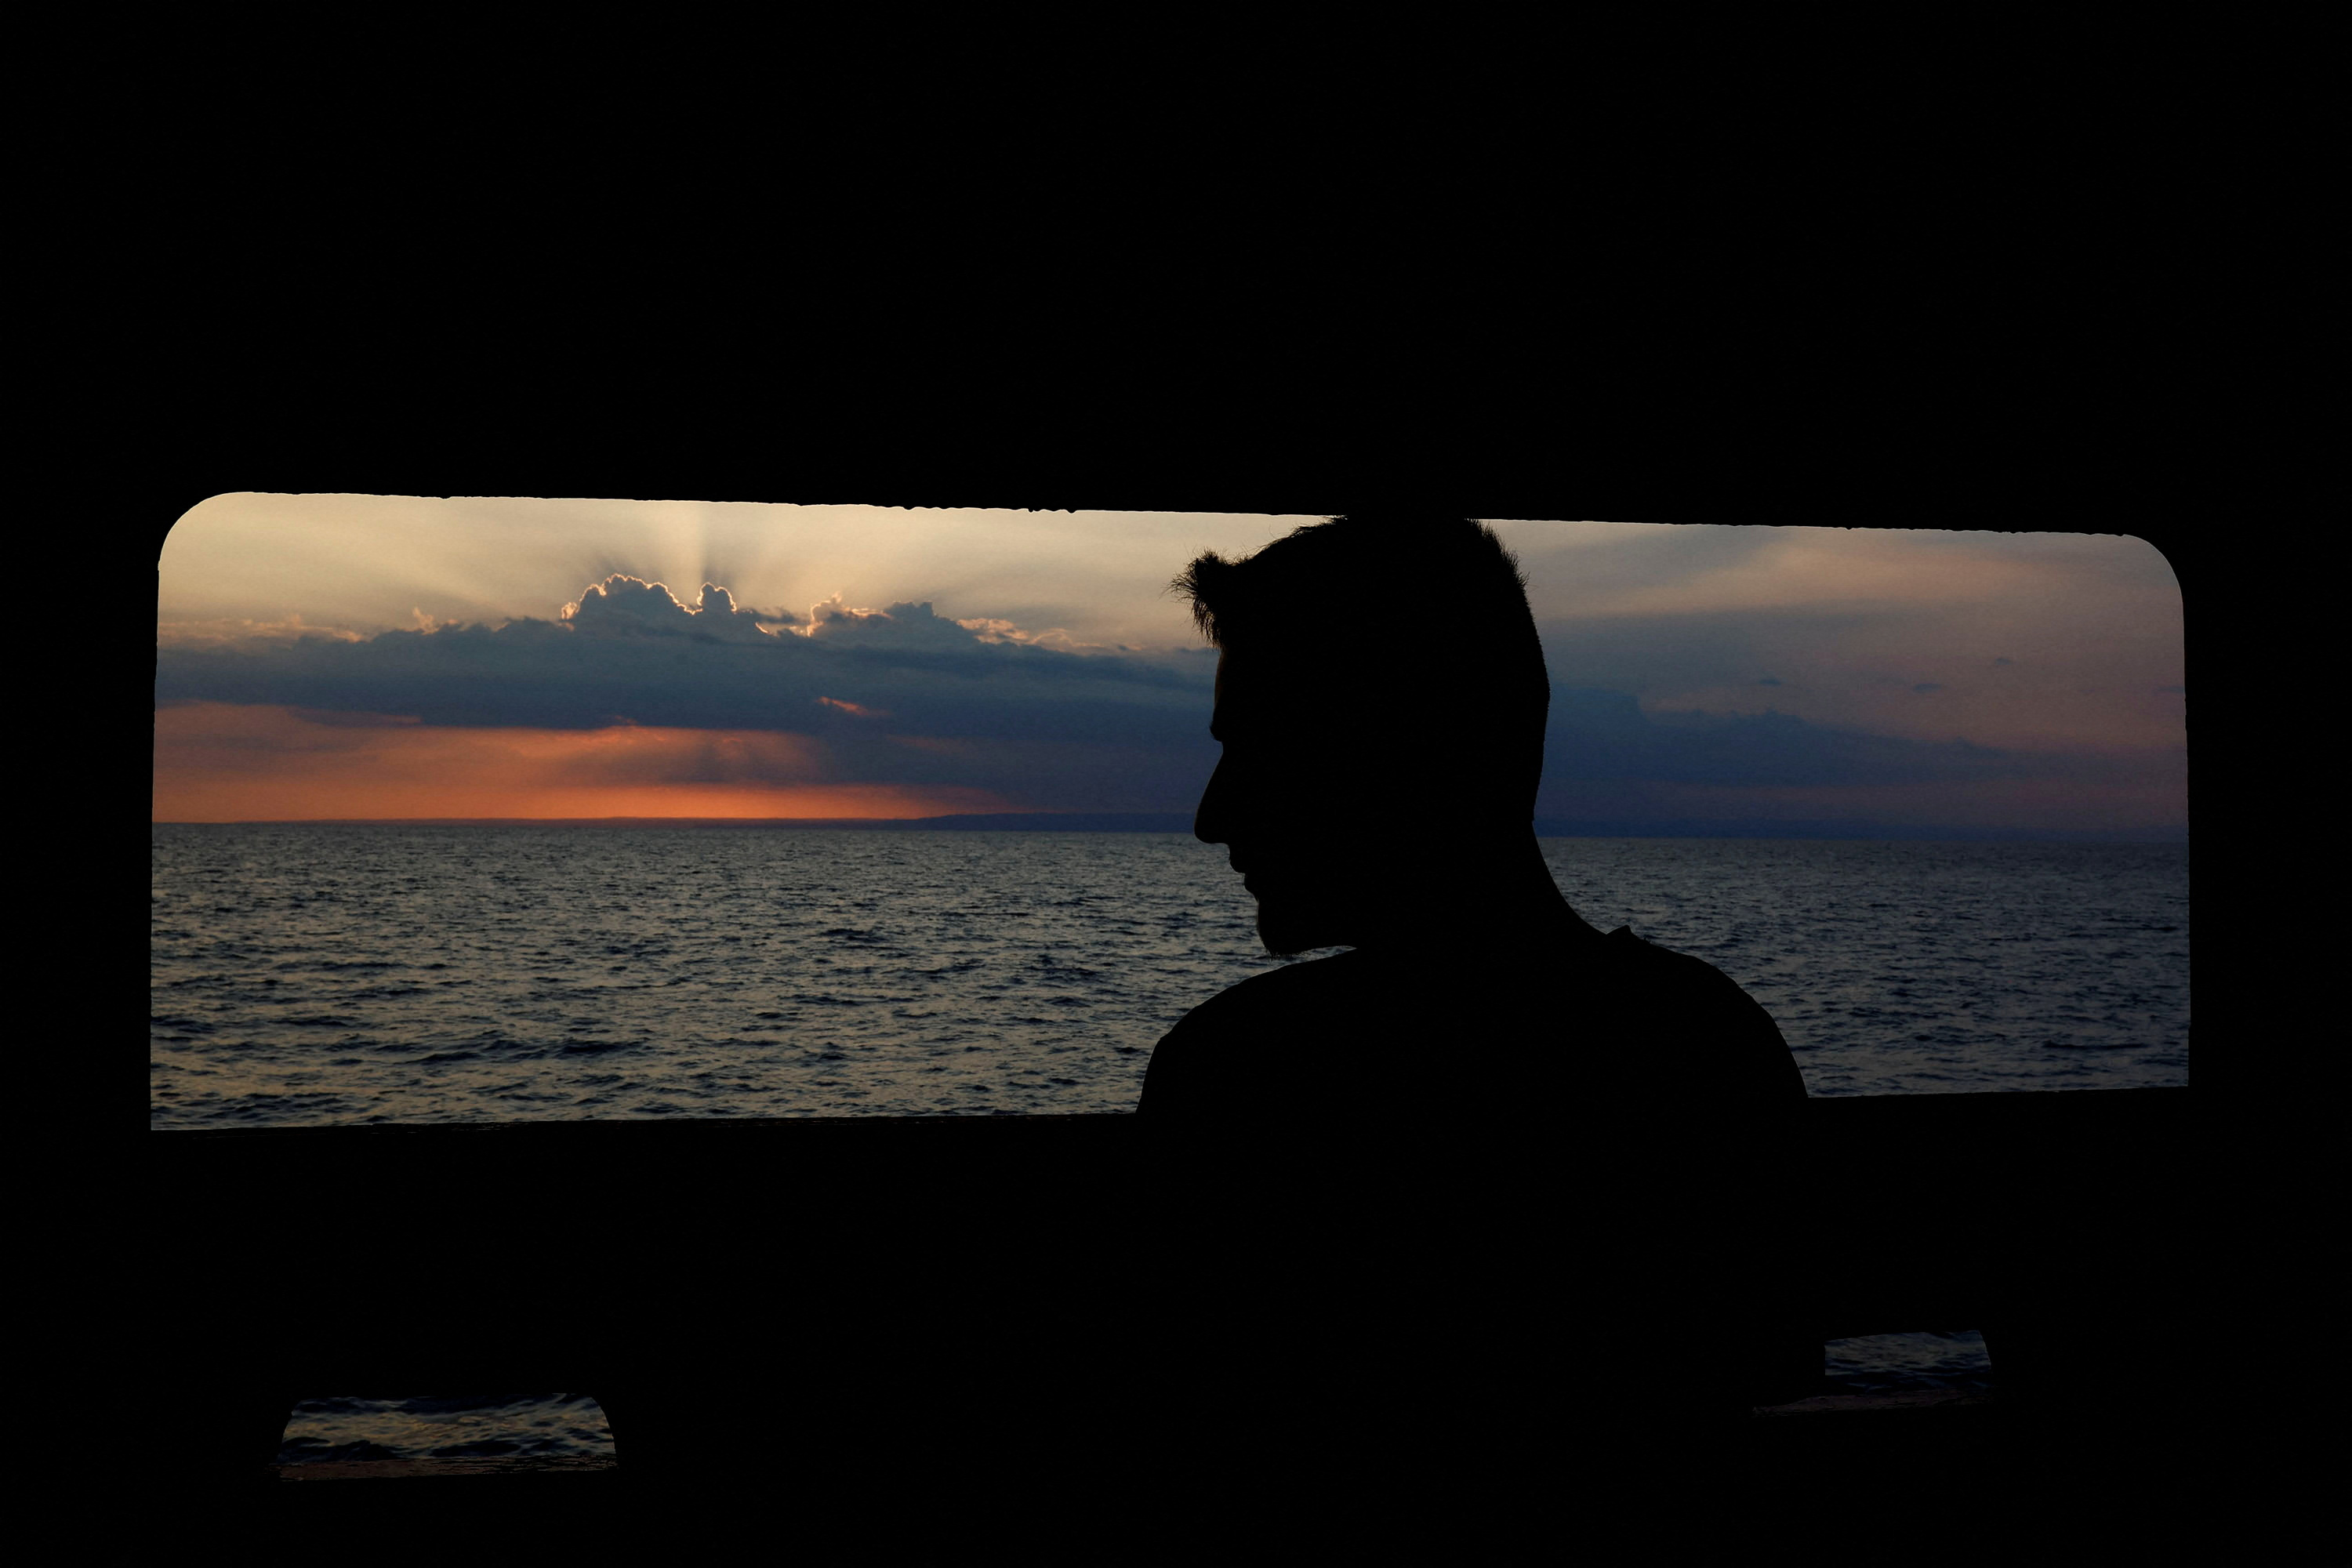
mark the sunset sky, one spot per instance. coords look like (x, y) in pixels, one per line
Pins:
(352, 657)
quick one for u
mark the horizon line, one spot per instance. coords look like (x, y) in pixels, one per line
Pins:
(1180, 822)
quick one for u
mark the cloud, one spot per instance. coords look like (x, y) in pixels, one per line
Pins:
(627, 607)
(218, 762)
(629, 693)
(628, 651)
(989, 628)
(2072, 680)
(1607, 762)
(231, 632)
(1598, 735)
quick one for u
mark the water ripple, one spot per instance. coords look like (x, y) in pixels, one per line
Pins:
(324, 975)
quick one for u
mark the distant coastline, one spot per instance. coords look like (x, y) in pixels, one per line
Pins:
(1181, 822)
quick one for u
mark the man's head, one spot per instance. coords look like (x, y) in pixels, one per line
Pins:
(1380, 700)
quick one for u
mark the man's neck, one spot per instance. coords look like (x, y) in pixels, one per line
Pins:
(1505, 899)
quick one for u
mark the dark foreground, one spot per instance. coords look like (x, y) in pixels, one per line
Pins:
(1881, 1478)
(2084, 1217)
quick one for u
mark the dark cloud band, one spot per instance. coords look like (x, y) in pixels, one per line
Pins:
(905, 695)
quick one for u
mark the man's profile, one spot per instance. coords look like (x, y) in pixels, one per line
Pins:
(1490, 1148)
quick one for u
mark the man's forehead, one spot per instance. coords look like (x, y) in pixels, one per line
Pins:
(1248, 687)
(1264, 695)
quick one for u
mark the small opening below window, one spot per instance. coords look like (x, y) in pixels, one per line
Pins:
(1909, 1364)
(447, 1427)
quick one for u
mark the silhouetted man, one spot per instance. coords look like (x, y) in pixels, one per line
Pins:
(1416, 1220)
(1491, 1159)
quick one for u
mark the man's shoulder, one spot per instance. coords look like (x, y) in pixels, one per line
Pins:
(1261, 1027)
(1290, 985)
(1378, 980)
(1717, 1040)
(1641, 960)
(1611, 1009)
(1644, 975)
(1359, 979)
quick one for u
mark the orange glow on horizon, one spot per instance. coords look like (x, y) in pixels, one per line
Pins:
(222, 762)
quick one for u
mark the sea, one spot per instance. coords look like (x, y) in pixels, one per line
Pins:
(314, 974)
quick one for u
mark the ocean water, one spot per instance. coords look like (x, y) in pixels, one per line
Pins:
(337, 974)
(321, 975)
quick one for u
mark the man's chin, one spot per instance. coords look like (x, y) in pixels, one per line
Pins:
(1287, 930)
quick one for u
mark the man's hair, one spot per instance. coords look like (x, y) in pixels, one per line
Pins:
(1393, 617)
